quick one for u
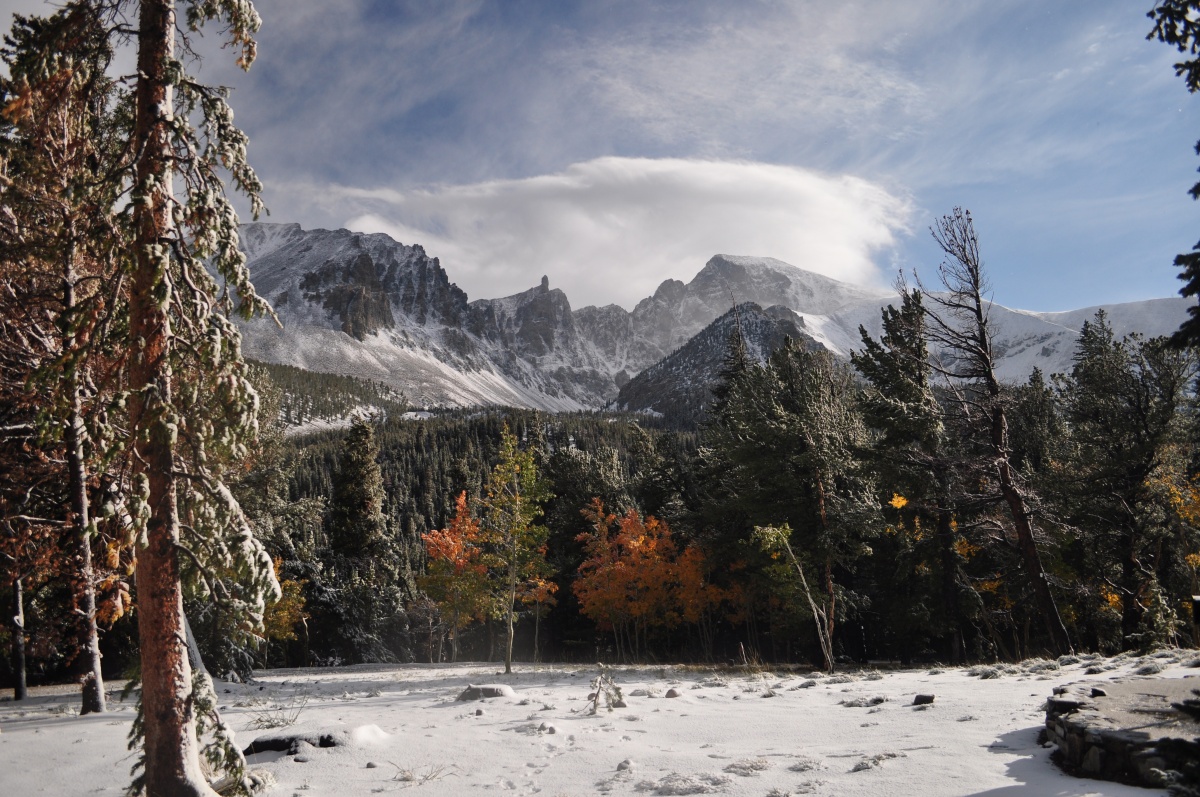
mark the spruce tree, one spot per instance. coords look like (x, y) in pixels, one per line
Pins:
(1124, 401)
(1177, 23)
(357, 526)
(915, 463)
(787, 446)
(365, 563)
(61, 152)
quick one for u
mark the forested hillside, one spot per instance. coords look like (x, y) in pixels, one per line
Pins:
(307, 396)
(823, 512)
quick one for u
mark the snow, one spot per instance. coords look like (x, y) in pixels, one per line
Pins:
(730, 731)
(439, 353)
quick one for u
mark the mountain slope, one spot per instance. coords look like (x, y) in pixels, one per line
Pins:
(367, 306)
(679, 387)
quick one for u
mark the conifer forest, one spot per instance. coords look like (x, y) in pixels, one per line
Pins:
(173, 511)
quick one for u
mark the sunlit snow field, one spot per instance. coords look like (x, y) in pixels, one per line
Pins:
(729, 731)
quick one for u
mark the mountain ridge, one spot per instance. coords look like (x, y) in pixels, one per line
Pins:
(367, 306)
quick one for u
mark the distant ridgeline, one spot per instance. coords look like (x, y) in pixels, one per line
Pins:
(309, 396)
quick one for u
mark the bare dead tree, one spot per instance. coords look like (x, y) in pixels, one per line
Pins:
(960, 329)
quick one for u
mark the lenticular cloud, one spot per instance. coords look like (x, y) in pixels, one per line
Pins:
(609, 230)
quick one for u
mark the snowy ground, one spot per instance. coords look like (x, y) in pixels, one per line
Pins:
(728, 732)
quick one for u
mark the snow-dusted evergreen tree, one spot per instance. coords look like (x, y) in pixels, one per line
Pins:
(192, 409)
(1122, 471)
(1177, 23)
(917, 470)
(365, 566)
(63, 154)
(787, 438)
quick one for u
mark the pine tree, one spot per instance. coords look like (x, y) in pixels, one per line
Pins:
(58, 230)
(179, 324)
(1177, 23)
(1124, 401)
(916, 466)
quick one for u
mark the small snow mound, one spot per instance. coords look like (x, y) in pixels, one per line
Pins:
(676, 783)
(369, 734)
(874, 761)
(480, 691)
(1040, 665)
(805, 765)
(748, 767)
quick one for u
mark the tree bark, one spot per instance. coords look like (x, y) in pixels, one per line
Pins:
(172, 759)
(20, 690)
(949, 583)
(1030, 557)
(1132, 582)
(512, 599)
(91, 675)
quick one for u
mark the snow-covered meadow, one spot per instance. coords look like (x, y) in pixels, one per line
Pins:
(725, 731)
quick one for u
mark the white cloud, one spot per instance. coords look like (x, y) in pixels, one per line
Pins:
(610, 230)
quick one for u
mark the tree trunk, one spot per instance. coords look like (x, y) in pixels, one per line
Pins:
(1132, 608)
(827, 647)
(830, 615)
(92, 678)
(508, 646)
(1032, 560)
(537, 624)
(20, 692)
(970, 339)
(171, 749)
(951, 614)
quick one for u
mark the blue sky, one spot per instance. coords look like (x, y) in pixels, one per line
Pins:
(614, 143)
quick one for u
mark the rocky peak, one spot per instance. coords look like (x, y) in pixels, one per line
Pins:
(680, 385)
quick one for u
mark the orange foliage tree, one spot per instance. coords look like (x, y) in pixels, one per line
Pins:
(456, 578)
(635, 581)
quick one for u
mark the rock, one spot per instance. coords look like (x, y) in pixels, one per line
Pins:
(619, 704)
(293, 743)
(372, 765)
(922, 700)
(625, 765)
(1098, 692)
(301, 759)
(478, 712)
(672, 693)
(474, 692)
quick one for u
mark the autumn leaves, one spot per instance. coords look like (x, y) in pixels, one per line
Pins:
(634, 581)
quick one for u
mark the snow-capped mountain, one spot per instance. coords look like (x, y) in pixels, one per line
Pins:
(367, 306)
